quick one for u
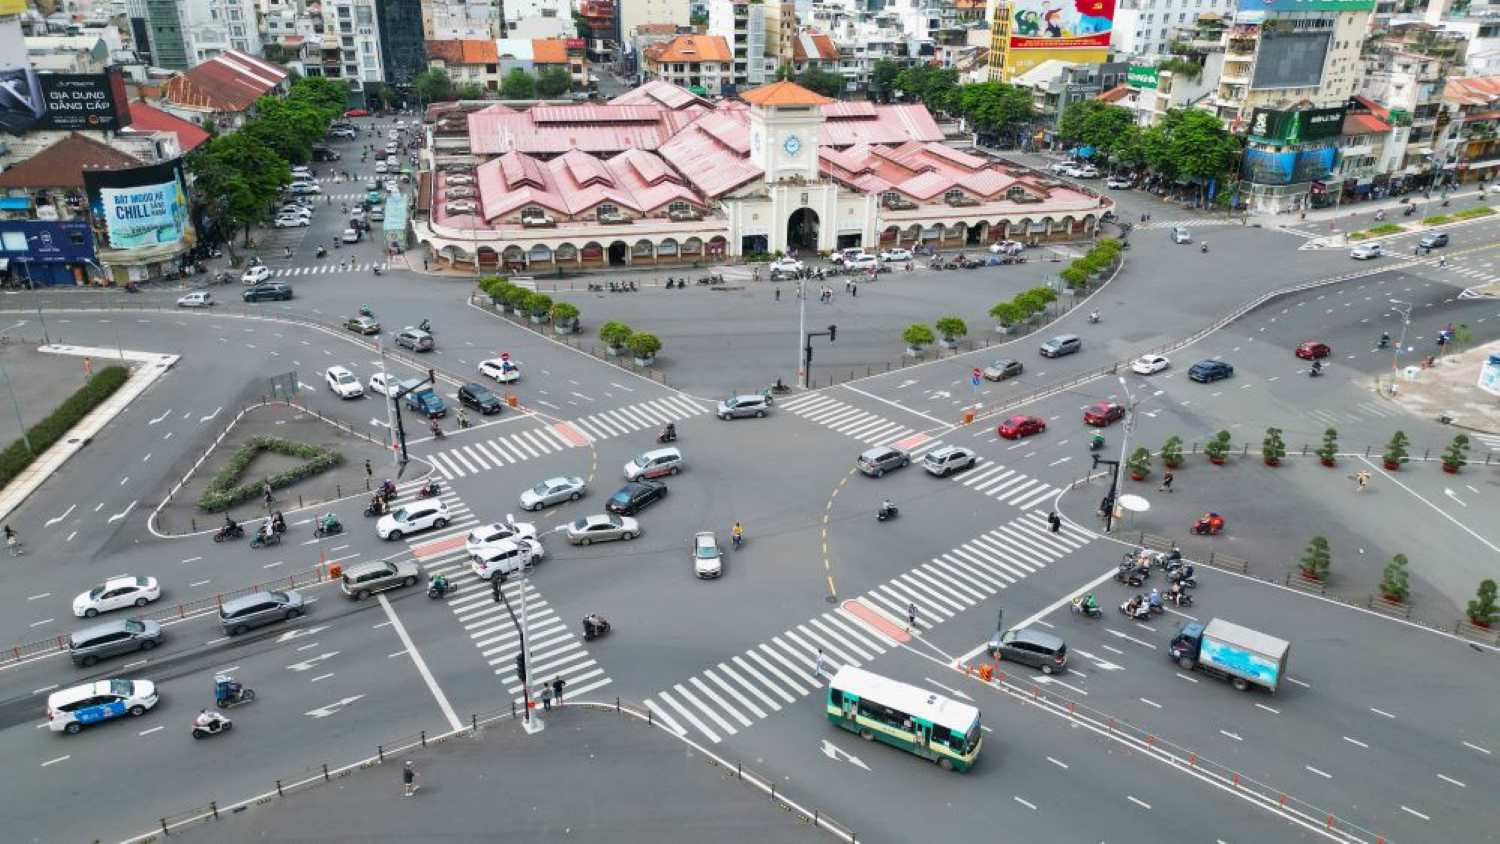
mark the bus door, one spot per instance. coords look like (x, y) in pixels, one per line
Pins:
(851, 706)
(922, 732)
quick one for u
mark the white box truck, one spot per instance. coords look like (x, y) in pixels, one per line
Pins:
(1240, 655)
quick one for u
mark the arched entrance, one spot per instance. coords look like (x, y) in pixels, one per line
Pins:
(618, 252)
(802, 230)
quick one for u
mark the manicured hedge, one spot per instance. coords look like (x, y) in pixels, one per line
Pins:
(15, 459)
(222, 492)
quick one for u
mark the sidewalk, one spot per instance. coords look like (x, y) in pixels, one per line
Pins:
(1449, 387)
(1428, 207)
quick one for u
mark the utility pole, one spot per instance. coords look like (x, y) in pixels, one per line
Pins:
(802, 375)
(1107, 507)
(831, 334)
(392, 412)
(431, 379)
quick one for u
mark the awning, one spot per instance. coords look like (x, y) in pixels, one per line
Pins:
(14, 203)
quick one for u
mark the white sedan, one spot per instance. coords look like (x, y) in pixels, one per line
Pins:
(786, 265)
(890, 255)
(1149, 364)
(291, 221)
(504, 371)
(384, 384)
(1365, 251)
(486, 535)
(343, 383)
(256, 274)
(200, 299)
(116, 593)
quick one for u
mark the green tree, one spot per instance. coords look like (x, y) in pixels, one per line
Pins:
(824, 82)
(1074, 275)
(614, 333)
(940, 89)
(553, 82)
(1393, 581)
(1139, 463)
(1272, 448)
(1481, 611)
(434, 85)
(1456, 452)
(564, 313)
(1007, 313)
(1171, 452)
(917, 335)
(1190, 144)
(1217, 448)
(912, 81)
(995, 107)
(469, 91)
(1316, 560)
(883, 75)
(784, 72)
(1395, 450)
(287, 127)
(538, 304)
(1328, 451)
(329, 94)
(518, 85)
(237, 179)
(951, 328)
(643, 345)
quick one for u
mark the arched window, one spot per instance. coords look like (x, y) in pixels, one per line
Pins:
(952, 195)
(679, 207)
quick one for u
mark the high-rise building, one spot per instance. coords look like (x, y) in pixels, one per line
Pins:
(399, 24)
(743, 25)
(164, 27)
(633, 13)
(351, 45)
(444, 20)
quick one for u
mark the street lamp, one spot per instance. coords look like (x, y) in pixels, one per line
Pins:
(1405, 322)
(1114, 489)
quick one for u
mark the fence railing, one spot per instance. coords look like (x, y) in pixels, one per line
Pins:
(322, 773)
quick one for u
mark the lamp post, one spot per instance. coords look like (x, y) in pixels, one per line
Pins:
(1401, 344)
(37, 302)
(1114, 488)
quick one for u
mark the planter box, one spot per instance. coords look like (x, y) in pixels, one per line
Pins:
(649, 360)
(1137, 477)
(1172, 464)
(1308, 576)
(1217, 461)
(1483, 625)
(948, 344)
(1004, 329)
(1391, 599)
(915, 351)
(1327, 461)
(1392, 465)
(538, 319)
(1450, 468)
(1272, 461)
(615, 351)
(565, 327)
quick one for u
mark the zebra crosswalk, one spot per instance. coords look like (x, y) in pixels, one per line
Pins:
(1356, 413)
(482, 455)
(647, 414)
(325, 269)
(553, 650)
(988, 477)
(735, 694)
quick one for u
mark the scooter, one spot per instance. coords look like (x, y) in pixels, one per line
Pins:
(1132, 574)
(262, 541)
(217, 724)
(1096, 443)
(667, 436)
(1181, 598)
(1141, 612)
(431, 490)
(594, 626)
(333, 529)
(1088, 612)
(885, 513)
(226, 532)
(1093, 317)
(373, 509)
(235, 696)
(434, 592)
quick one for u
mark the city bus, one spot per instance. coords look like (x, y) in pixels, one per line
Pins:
(916, 720)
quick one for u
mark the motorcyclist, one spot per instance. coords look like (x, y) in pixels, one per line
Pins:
(329, 522)
(434, 427)
(438, 582)
(278, 522)
(1385, 339)
(377, 504)
(1317, 367)
(887, 507)
(230, 525)
(669, 432)
(1094, 316)
(463, 418)
(387, 488)
(267, 531)
(1175, 592)
(1089, 603)
(1203, 247)
(1097, 440)
(425, 325)
(1155, 598)
(737, 533)
(432, 488)
(1133, 605)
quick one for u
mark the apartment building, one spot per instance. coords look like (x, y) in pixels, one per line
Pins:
(702, 64)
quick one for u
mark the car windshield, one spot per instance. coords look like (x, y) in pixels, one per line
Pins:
(97, 590)
(542, 488)
(280, 597)
(345, 378)
(401, 515)
(707, 548)
(135, 626)
(581, 524)
(622, 496)
(124, 688)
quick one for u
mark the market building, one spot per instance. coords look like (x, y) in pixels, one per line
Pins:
(660, 176)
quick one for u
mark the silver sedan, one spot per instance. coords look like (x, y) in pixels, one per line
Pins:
(552, 491)
(602, 528)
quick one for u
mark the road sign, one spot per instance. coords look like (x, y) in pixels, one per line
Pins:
(976, 373)
(974, 379)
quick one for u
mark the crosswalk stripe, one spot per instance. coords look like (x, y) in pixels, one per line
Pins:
(796, 672)
(998, 486)
(865, 424)
(1017, 490)
(812, 643)
(832, 417)
(452, 465)
(717, 698)
(540, 445)
(507, 450)
(474, 455)
(522, 446)
(609, 420)
(1037, 521)
(493, 454)
(1020, 539)
(630, 425)
(924, 447)
(807, 409)
(655, 415)
(563, 443)
(981, 473)
(660, 715)
(971, 552)
(1000, 581)
(691, 718)
(999, 555)
(949, 579)
(890, 604)
(1042, 494)
(774, 670)
(871, 435)
(1044, 537)
(842, 640)
(589, 687)
(800, 650)
(848, 628)
(921, 587)
(899, 591)
(730, 690)
(751, 688)
(712, 715)
(891, 436)
(751, 671)
(801, 401)
(586, 425)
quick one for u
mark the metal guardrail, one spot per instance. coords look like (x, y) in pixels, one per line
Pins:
(314, 775)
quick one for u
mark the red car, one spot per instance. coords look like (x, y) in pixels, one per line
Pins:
(1103, 413)
(1021, 426)
(357, 112)
(1312, 350)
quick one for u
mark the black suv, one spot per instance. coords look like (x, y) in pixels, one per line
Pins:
(480, 398)
(634, 496)
(268, 290)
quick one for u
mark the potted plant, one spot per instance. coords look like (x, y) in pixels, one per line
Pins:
(614, 334)
(515, 299)
(538, 305)
(1139, 464)
(564, 318)
(1454, 454)
(917, 338)
(644, 347)
(1315, 560)
(1217, 448)
(1481, 610)
(1272, 449)
(951, 329)
(1007, 315)
(498, 292)
(1171, 452)
(1330, 447)
(1395, 451)
(1393, 585)
(1074, 276)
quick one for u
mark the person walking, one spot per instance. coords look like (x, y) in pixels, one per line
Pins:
(12, 542)
(557, 689)
(778, 294)
(911, 616)
(854, 289)
(409, 779)
(546, 698)
(819, 664)
(266, 491)
(1166, 482)
(1054, 521)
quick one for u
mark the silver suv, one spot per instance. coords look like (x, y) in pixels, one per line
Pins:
(377, 576)
(736, 407)
(258, 609)
(881, 459)
(415, 339)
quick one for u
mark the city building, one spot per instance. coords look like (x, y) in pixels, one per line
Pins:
(459, 20)
(538, 19)
(69, 53)
(700, 63)
(570, 54)
(398, 23)
(467, 61)
(660, 176)
(177, 34)
(1368, 150)
(147, 120)
(352, 44)
(812, 49)
(1055, 84)
(1151, 92)
(1406, 68)
(758, 33)
(219, 93)
(633, 13)
(1469, 128)
(1146, 31)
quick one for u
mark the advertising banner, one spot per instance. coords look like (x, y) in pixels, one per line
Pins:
(1141, 76)
(62, 101)
(1070, 30)
(1269, 126)
(139, 206)
(1306, 5)
(45, 242)
(1489, 375)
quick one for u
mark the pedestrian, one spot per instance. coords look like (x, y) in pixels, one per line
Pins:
(1054, 521)
(778, 294)
(1416, 250)
(854, 289)
(557, 689)
(818, 664)
(409, 779)
(1442, 262)
(546, 698)
(1166, 482)
(369, 471)
(424, 263)
(911, 616)
(1361, 480)
(846, 285)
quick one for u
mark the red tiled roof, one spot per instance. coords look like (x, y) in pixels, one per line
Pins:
(1375, 108)
(695, 48)
(231, 81)
(62, 164)
(145, 118)
(1472, 90)
(783, 93)
(1364, 124)
(1115, 94)
(549, 51)
(814, 46)
(463, 51)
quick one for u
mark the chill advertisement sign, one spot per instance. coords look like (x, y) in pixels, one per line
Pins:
(1270, 126)
(140, 206)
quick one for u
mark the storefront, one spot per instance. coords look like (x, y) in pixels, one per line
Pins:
(45, 253)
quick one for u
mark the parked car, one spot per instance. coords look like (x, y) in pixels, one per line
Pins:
(1205, 371)
(1103, 413)
(196, 299)
(552, 491)
(786, 265)
(304, 189)
(862, 262)
(894, 255)
(70, 710)
(656, 463)
(502, 370)
(1181, 235)
(480, 398)
(274, 290)
(343, 383)
(602, 528)
(357, 112)
(948, 459)
(1312, 350)
(291, 221)
(876, 461)
(708, 558)
(738, 407)
(1366, 251)
(116, 593)
(415, 339)
(635, 496)
(1063, 344)
(1085, 171)
(1017, 427)
(1119, 183)
(362, 325)
(1149, 364)
(410, 518)
(361, 580)
(256, 274)
(1002, 369)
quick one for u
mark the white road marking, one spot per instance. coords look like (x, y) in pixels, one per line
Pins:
(1407, 809)
(1268, 709)
(123, 513)
(38, 597)
(1028, 804)
(43, 621)
(192, 559)
(150, 730)
(159, 418)
(1187, 678)
(70, 756)
(1062, 765)
(1143, 804)
(1231, 735)
(1151, 703)
(321, 677)
(53, 521)
(1324, 774)
(1356, 742)
(1298, 682)
(1452, 780)
(1381, 712)
(421, 665)
(1476, 747)
(216, 412)
(44, 689)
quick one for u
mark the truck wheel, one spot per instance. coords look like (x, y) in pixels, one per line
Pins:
(1241, 683)
(1185, 662)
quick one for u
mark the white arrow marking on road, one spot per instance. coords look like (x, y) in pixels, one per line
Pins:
(1117, 634)
(299, 633)
(939, 394)
(311, 663)
(211, 415)
(378, 423)
(332, 708)
(621, 386)
(120, 515)
(161, 417)
(947, 688)
(1102, 663)
(833, 752)
(51, 522)
(1453, 495)
(1059, 460)
(907, 383)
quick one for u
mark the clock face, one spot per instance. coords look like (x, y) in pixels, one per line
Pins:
(792, 145)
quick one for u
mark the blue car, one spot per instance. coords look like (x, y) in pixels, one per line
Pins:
(1205, 371)
(424, 400)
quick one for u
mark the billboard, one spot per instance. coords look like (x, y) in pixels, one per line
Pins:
(62, 101)
(1069, 30)
(1263, 167)
(139, 206)
(1305, 5)
(1269, 126)
(1141, 76)
(1290, 60)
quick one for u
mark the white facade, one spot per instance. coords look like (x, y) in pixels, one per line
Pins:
(452, 20)
(351, 27)
(743, 25)
(210, 27)
(633, 13)
(1143, 28)
(540, 19)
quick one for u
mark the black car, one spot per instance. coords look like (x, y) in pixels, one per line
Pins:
(634, 496)
(1205, 371)
(480, 398)
(268, 290)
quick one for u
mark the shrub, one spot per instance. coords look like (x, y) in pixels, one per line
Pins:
(1031, 302)
(564, 312)
(1395, 450)
(1454, 454)
(1074, 276)
(1385, 228)
(1436, 220)
(1393, 581)
(1043, 294)
(952, 328)
(1330, 447)
(917, 335)
(223, 493)
(515, 297)
(1316, 559)
(1008, 313)
(614, 333)
(1171, 452)
(1471, 213)
(643, 345)
(1481, 610)
(537, 304)
(1139, 463)
(42, 435)
(1272, 449)
(499, 291)
(1218, 447)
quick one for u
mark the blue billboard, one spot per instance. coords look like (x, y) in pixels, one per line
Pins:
(1263, 167)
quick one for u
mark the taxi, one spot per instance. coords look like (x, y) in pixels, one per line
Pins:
(72, 709)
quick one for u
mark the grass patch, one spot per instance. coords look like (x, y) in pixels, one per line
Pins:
(225, 490)
(1437, 220)
(1378, 231)
(15, 458)
(1471, 213)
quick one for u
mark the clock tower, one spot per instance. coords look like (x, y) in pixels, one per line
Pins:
(785, 122)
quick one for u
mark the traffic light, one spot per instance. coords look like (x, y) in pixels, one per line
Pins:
(833, 331)
(495, 587)
(521, 667)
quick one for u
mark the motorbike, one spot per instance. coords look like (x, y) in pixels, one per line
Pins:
(1385, 341)
(1180, 598)
(1096, 442)
(1088, 612)
(595, 288)
(1184, 576)
(217, 724)
(1141, 611)
(1314, 371)
(667, 436)
(435, 591)
(226, 532)
(374, 508)
(1209, 524)
(1203, 248)
(320, 252)
(228, 693)
(885, 513)
(132, 287)
(376, 269)
(780, 389)
(437, 431)
(594, 626)
(1132, 574)
(431, 490)
(1094, 318)
(261, 540)
(224, 278)
(322, 528)
(1410, 210)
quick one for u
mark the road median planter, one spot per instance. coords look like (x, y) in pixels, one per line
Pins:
(41, 436)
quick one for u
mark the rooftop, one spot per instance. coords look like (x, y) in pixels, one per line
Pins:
(145, 118)
(463, 51)
(783, 94)
(549, 51)
(62, 164)
(694, 48)
(231, 81)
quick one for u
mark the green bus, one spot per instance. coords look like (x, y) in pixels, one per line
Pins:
(918, 721)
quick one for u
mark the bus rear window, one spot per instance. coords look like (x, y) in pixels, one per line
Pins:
(835, 697)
